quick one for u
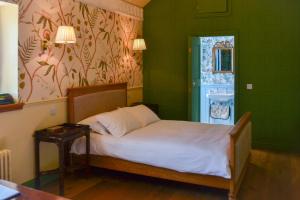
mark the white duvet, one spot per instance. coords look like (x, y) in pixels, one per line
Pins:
(178, 145)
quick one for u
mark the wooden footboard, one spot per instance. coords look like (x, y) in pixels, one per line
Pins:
(240, 151)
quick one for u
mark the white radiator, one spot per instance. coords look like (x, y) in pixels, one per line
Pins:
(5, 165)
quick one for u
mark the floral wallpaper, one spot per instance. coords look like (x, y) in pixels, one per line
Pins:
(207, 76)
(103, 53)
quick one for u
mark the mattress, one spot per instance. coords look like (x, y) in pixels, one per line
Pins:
(177, 145)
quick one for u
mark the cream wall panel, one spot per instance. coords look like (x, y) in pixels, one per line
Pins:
(17, 128)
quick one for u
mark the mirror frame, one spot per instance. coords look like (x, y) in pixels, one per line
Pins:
(224, 45)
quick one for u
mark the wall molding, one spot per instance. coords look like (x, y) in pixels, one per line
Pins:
(135, 88)
(118, 6)
(207, 8)
(43, 102)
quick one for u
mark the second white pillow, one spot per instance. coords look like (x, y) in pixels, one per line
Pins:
(95, 125)
(119, 122)
(142, 113)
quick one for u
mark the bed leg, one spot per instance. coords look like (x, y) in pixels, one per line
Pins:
(232, 195)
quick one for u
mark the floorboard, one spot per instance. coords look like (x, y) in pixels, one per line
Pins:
(273, 176)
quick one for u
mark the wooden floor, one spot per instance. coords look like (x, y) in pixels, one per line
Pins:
(270, 176)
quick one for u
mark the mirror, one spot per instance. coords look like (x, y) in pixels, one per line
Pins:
(223, 57)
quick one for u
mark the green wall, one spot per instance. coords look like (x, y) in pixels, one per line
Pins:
(268, 56)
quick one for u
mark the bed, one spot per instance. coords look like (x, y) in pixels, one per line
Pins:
(230, 142)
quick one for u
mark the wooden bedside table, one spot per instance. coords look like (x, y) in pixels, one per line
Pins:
(62, 136)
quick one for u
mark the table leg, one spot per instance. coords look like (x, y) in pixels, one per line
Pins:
(37, 163)
(61, 168)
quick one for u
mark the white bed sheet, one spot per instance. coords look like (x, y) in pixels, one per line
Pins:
(177, 145)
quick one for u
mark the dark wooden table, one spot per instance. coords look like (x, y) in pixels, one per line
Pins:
(29, 193)
(62, 138)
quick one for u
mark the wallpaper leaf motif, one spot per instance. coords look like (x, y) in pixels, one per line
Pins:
(103, 53)
(93, 18)
(84, 9)
(26, 50)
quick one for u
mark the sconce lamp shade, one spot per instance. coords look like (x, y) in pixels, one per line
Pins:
(139, 45)
(65, 35)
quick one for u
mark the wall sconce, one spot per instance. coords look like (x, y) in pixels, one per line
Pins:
(64, 35)
(139, 45)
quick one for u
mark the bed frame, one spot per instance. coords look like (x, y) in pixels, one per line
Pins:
(87, 101)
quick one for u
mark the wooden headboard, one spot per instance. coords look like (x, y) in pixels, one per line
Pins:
(84, 102)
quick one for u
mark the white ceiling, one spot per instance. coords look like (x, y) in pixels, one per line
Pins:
(118, 6)
(139, 3)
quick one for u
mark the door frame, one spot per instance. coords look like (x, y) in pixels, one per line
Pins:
(192, 96)
(236, 67)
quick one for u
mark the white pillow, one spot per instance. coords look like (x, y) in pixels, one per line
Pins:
(118, 122)
(143, 114)
(95, 125)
